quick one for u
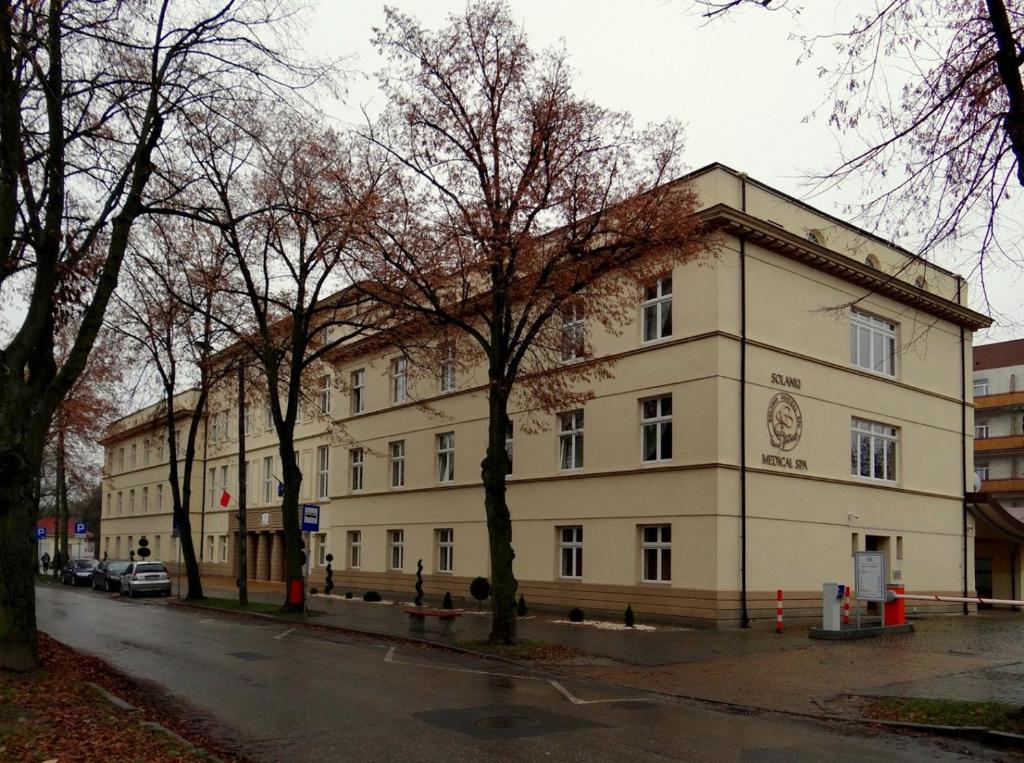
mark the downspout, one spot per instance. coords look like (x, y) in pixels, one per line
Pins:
(963, 445)
(744, 615)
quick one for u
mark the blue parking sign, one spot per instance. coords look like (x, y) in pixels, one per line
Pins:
(40, 533)
(79, 529)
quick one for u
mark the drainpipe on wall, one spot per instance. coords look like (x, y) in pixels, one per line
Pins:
(963, 444)
(202, 506)
(744, 616)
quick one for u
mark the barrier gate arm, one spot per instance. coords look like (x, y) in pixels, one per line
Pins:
(890, 596)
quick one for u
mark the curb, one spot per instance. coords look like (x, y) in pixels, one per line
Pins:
(973, 733)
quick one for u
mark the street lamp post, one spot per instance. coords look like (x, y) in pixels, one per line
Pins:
(243, 589)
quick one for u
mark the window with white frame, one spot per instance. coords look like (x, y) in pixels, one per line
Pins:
(120, 504)
(131, 501)
(110, 504)
(323, 457)
(134, 450)
(358, 387)
(145, 500)
(872, 343)
(656, 429)
(980, 387)
(177, 443)
(446, 457)
(981, 469)
(396, 451)
(980, 430)
(355, 549)
(509, 442)
(873, 450)
(325, 395)
(213, 487)
(268, 479)
(159, 497)
(209, 547)
(656, 553)
(120, 459)
(146, 445)
(156, 546)
(355, 460)
(223, 483)
(396, 542)
(572, 332)
(159, 450)
(570, 440)
(321, 549)
(445, 550)
(268, 416)
(656, 310)
(214, 427)
(248, 420)
(570, 551)
(399, 380)
(447, 375)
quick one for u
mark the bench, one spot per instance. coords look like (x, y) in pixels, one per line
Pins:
(418, 617)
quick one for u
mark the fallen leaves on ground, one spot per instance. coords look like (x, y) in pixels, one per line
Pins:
(54, 714)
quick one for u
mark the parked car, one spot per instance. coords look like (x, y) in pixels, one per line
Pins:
(145, 577)
(107, 575)
(78, 572)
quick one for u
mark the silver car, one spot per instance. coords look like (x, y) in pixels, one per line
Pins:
(145, 577)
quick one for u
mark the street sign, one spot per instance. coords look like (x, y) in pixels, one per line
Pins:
(40, 533)
(869, 575)
(310, 517)
(80, 529)
(175, 530)
(280, 489)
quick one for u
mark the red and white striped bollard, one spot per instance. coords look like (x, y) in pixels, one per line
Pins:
(778, 611)
(846, 606)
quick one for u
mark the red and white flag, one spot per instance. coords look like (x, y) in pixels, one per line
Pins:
(225, 499)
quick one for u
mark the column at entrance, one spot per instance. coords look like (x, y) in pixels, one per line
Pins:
(263, 570)
(277, 556)
(250, 555)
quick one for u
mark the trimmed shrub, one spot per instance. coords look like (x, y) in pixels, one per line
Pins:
(348, 594)
(521, 607)
(480, 589)
(371, 596)
(629, 620)
(576, 615)
(447, 603)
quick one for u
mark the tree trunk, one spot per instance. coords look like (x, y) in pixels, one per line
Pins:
(179, 502)
(61, 530)
(1008, 63)
(494, 469)
(293, 552)
(18, 514)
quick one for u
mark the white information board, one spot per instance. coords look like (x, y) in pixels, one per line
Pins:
(869, 575)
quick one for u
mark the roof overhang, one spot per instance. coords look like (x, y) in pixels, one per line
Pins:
(986, 506)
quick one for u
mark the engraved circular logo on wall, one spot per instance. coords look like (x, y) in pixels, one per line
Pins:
(785, 423)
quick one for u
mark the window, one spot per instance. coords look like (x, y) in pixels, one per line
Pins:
(145, 451)
(355, 549)
(572, 333)
(268, 417)
(446, 457)
(159, 450)
(248, 420)
(871, 261)
(110, 462)
(981, 469)
(570, 440)
(355, 457)
(321, 549)
(268, 479)
(120, 459)
(120, 504)
(397, 454)
(222, 548)
(214, 427)
(323, 471)
(209, 547)
(872, 343)
(134, 448)
(131, 501)
(399, 380)
(396, 539)
(873, 450)
(570, 551)
(445, 550)
(980, 387)
(656, 310)
(448, 369)
(509, 432)
(213, 487)
(656, 429)
(117, 547)
(110, 504)
(980, 430)
(177, 442)
(145, 500)
(159, 497)
(156, 546)
(223, 484)
(325, 395)
(656, 550)
(358, 388)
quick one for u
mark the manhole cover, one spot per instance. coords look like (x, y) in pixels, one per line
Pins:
(507, 722)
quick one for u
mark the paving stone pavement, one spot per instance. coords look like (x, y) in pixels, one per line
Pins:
(979, 657)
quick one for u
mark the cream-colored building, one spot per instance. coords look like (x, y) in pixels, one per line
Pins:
(796, 398)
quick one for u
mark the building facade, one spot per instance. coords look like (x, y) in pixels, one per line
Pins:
(796, 398)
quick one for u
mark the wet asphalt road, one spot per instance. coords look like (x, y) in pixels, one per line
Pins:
(282, 694)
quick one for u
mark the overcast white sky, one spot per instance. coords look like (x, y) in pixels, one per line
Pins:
(735, 84)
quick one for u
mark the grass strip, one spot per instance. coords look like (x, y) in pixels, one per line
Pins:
(997, 716)
(258, 607)
(524, 649)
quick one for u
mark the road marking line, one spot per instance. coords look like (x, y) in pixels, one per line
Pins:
(204, 622)
(284, 634)
(577, 701)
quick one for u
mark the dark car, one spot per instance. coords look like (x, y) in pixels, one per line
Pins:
(145, 577)
(107, 575)
(78, 572)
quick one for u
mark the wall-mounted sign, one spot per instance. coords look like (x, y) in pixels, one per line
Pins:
(265, 518)
(781, 380)
(785, 422)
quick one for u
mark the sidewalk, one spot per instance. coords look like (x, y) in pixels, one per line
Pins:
(980, 657)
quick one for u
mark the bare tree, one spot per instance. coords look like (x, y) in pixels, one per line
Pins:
(91, 100)
(513, 204)
(932, 94)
